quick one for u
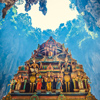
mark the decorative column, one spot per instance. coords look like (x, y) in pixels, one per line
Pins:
(85, 83)
(74, 83)
(68, 86)
(32, 79)
(13, 84)
(25, 81)
(30, 86)
(67, 81)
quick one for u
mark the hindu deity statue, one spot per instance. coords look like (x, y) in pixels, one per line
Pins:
(11, 84)
(48, 83)
(58, 84)
(80, 83)
(34, 67)
(50, 53)
(39, 83)
(18, 85)
(80, 79)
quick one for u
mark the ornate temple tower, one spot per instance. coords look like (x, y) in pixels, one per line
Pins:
(50, 74)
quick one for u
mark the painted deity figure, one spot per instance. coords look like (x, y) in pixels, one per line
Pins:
(34, 69)
(34, 64)
(18, 85)
(50, 53)
(79, 79)
(80, 84)
(49, 80)
(39, 84)
(11, 84)
(58, 85)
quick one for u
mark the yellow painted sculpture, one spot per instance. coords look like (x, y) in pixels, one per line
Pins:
(18, 85)
(34, 64)
(49, 84)
(11, 84)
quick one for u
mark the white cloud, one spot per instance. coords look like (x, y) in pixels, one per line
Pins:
(58, 11)
(80, 43)
(92, 34)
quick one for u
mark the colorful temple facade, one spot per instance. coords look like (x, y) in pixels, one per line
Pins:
(50, 74)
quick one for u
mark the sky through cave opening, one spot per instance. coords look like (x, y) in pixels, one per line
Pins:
(58, 11)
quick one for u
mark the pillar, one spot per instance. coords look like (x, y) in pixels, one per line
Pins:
(24, 84)
(68, 86)
(74, 83)
(14, 84)
(85, 83)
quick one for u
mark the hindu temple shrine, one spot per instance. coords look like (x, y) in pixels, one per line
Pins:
(50, 74)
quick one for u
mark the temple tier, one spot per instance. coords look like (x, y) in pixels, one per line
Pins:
(50, 74)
